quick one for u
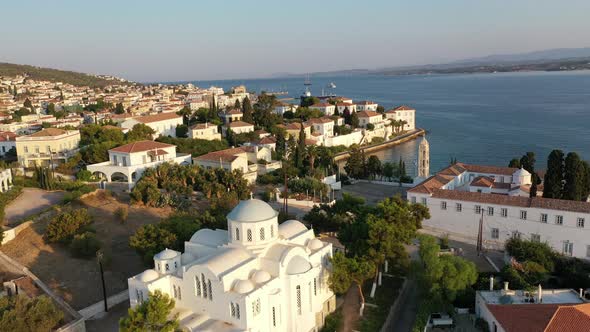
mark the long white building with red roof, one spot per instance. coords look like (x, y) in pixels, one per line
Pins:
(461, 195)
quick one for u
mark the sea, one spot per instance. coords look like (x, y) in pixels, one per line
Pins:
(486, 119)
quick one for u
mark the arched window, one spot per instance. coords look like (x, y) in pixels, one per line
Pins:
(204, 285)
(232, 309)
(159, 267)
(167, 267)
(210, 291)
(315, 287)
(298, 296)
(237, 234)
(237, 311)
(175, 265)
(272, 231)
(274, 318)
(262, 234)
(197, 286)
(249, 233)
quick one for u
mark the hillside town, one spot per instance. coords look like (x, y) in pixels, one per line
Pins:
(237, 211)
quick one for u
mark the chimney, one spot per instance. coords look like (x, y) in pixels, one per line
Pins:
(581, 293)
(491, 283)
(506, 285)
(540, 294)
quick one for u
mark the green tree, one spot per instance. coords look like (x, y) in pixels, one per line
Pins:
(151, 315)
(374, 166)
(300, 149)
(380, 109)
(389, 170)
(182, 131)
(150, 239)
(140, 132)
(281, 146)
(348, 271)
(355, 164)
(119, 108)
(575, 178)
(64, 226)
(237, 104)
(186, 113)
(50, 108)
(514, 163)
(554, 176)
(354, 120)
(247, 110)
(308, 101)
(21, 313)
(28, 105)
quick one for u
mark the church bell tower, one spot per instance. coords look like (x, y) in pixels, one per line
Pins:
(424, 159)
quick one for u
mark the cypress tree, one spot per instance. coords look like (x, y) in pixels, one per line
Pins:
(237, 104)
(515, 163)
(575, 178)
(553, 181)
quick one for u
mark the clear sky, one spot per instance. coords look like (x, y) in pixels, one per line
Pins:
(219, 39)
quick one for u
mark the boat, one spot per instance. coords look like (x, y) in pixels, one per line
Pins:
(332, 85)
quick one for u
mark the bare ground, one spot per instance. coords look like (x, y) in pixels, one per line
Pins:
(78, 280)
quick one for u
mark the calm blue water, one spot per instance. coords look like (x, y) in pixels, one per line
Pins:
(478, 118)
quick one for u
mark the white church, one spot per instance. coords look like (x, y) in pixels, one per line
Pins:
(257, 276)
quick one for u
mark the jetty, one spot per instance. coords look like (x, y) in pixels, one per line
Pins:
(384, 145)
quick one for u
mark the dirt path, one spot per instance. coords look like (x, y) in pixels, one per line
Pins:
(350, 309)
(30, 202)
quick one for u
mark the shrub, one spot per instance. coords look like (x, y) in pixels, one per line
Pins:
(84, 175)
(333, 322)
(538, 252)
(370, 126)
(482, 325)
(19, 313)
(65, 225)
(444, 242)
(85, 245)
(122, 213)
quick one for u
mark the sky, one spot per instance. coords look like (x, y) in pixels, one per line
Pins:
(175, 40)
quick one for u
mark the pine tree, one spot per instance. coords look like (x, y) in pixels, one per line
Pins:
(300, 150)
(280, 146)
(553, 181)
(247, 110)
(575, 178)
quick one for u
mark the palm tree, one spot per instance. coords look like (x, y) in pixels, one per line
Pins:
(402, 124)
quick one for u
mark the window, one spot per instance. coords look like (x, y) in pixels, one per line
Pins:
(516, 235)
(495, 233)
(298, 296)
(274, 317)
(167, 267)
(272, 231)
(249, 234)
(490, 211)
(232, 309)
(204, 285)
(504, 212)
(523, 214)
(262, 234)
(26, 149)
(315, 287)
(197, 286)
(459, 207)
(443, 205)
(424, 200)
(210, 291)
(477, 209)
(535, 238)
(580, 222)
(544, 218)
(412, 199)
(559, 220)
(179, 293)
(256, 307)
(237, 234)
(568, 248)
(237, 311)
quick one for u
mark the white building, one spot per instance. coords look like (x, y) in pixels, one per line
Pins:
(258, 276)
(461, 194)
(370, 117)
(164, 124)
(366, 106)
(281, 108)
(238, 127)
(324, 126)
(342, 107)
(5, 180)
(7, 142)
(204, 131)
(325, 108)
(403, 113)
(128, 162)
(550, 310)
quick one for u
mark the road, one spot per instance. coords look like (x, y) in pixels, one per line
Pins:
(30, 202)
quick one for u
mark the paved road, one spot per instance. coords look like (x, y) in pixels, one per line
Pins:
(404, 317)
(109, 322)
(31, 201)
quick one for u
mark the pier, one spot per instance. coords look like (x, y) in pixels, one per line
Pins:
(380, 146)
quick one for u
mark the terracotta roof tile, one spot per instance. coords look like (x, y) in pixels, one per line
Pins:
(570, 318)
(482, 181)
(157, 117)
(367, 114)
(235, 124)
(49, 132)
(523, 317)
(141, 146)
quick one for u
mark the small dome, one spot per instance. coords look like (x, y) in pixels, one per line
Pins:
(291, 228)
(148, 276)
(252, 210)
(521, 172)
(260, 276)
(243, 286)
(187, 258)
(315, 244)
(166, 254)
(298, 265)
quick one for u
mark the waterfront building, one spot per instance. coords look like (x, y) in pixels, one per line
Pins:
(550, 310)
(323, 126)
(325, 108)
(366, 105)
(47, 147)
(128, 162)
(258, 276)
(204, 131)
(462, 196)
(403, 113)
(281, 107)
(370, 117)
(164, 124)
(343, 106)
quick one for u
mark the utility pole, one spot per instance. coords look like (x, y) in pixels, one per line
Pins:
(99, 257)
(286, 194)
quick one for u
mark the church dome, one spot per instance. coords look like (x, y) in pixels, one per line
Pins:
(148, 276)
(166, 254)
(291, 228)
(521, 172)
(298, 265)
(243, 286)
(260, 276)
(252, 210)
(315, 244)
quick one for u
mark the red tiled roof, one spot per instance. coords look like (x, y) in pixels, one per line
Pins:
(49, 132)
(321, 105)
(6, 136)
(267, 140)
(140, 146)
(157, 117)
(482, 181)
(320, 120)
(403, 108)
(523, 317)
(489, 169)
(570, 318)
(367, 114)
(227, 155)
(235, 124)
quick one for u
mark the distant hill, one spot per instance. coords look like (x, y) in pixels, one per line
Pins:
(55, 75)
(544, 55)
